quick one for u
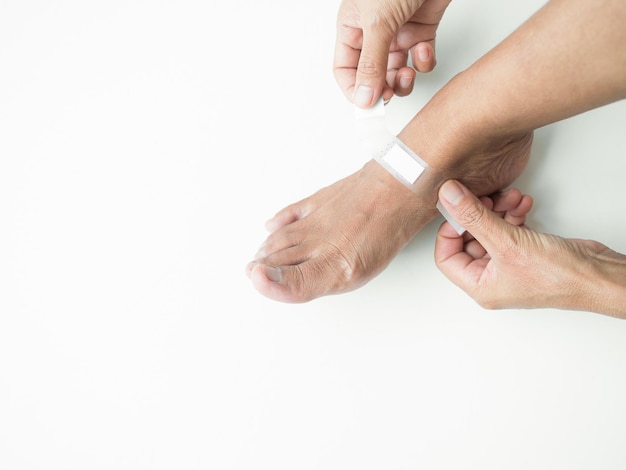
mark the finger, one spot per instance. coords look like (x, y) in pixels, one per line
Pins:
(523, 207)
(400, 77)
(423, 56)
(419, 38)
(346, 58)
(507, 200)
(451, 246)
(491, 231)
(412, 33)
(475, 249)
(404, 81)
(454, 261)
(372, 67)
(487, 202)
(397, 60)
(513, 206)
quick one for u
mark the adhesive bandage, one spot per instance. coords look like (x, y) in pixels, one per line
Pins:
(390, 152)
(458, 227)
(401, 162)
(371, 129)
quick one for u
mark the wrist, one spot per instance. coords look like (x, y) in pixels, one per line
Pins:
(457, 138)
(439, 133)
(417, 205)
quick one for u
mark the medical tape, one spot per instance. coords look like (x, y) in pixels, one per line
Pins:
(390, 152)
(457, 226)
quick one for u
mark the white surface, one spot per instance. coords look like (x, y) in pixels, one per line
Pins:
(142, 146)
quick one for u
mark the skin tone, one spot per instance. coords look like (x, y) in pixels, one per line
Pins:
(374, 42)
(503, 264)
(568, 58)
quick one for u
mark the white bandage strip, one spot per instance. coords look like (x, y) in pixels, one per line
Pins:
(401, 162)
(393, 155)
(375, 111)
(457, 226)
(371, 129)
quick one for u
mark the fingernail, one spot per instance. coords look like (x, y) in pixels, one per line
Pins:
(405, 82)
(363, 96)
(451, 192)
(273, 273)
(423, 52)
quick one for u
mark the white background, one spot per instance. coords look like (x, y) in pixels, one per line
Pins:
(142, 146)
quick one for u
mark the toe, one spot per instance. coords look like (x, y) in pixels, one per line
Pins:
(277, 283)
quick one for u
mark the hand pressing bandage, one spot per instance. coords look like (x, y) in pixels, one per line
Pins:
(390, 152)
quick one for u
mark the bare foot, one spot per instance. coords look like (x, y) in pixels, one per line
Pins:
(344, 235)
(339, 238)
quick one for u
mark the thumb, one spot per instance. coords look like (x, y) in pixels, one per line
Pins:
(371, 70)
(466, 209)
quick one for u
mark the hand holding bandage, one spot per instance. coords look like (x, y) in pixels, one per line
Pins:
(375, 39)
(501, 263)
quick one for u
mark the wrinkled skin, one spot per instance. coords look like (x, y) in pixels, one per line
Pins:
(344, 235)
(501, 263)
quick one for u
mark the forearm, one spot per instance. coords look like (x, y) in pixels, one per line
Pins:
(568, 58)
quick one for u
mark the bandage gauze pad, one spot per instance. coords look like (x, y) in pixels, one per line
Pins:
(390, 152)
(401, 162)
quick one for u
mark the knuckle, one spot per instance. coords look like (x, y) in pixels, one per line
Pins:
(473, 215)
(369, 67)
